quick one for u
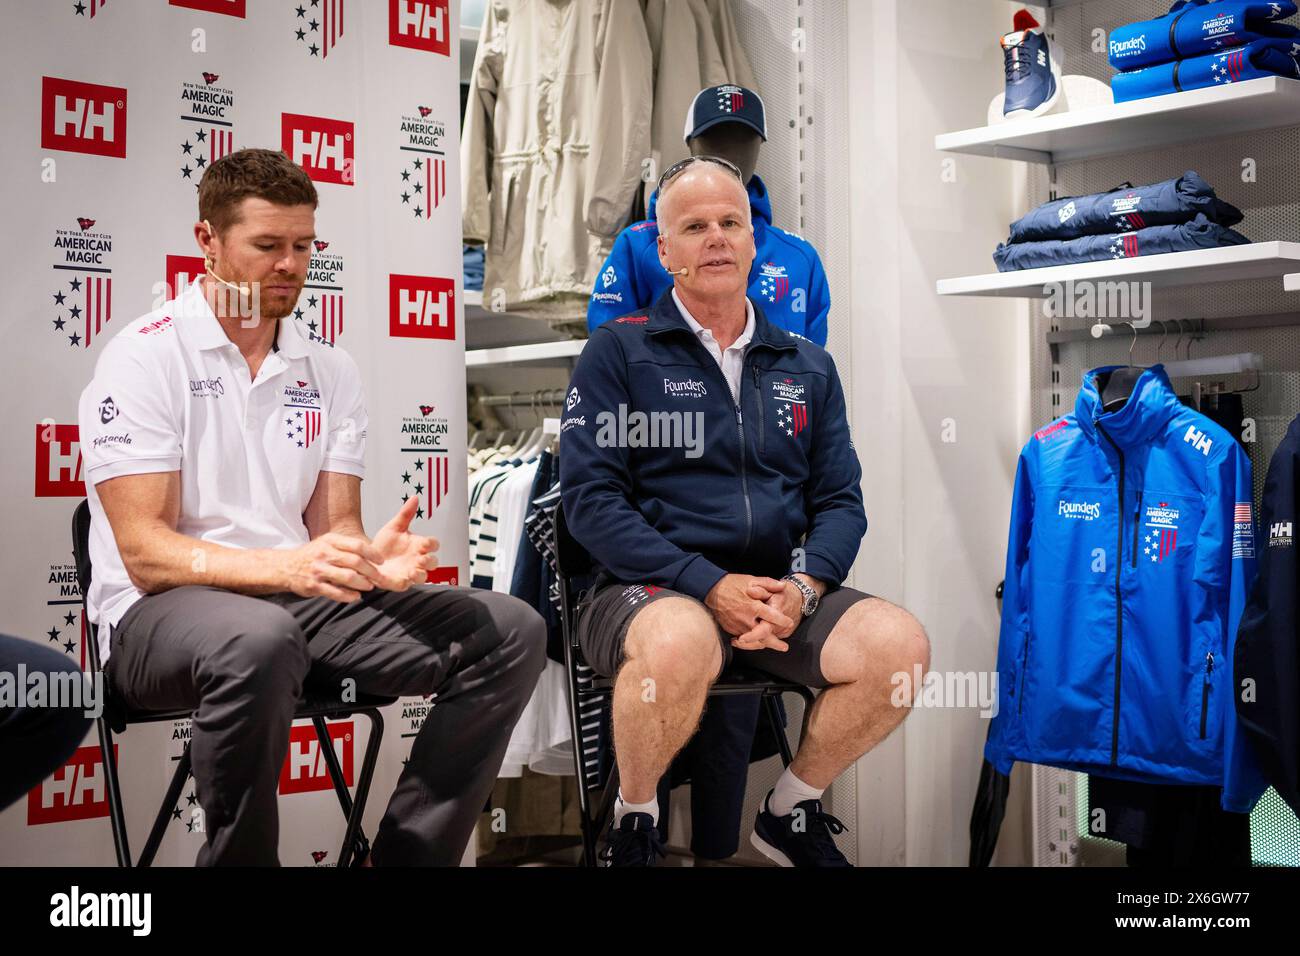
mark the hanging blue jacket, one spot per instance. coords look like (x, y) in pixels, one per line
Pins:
(1268, 643)
(1131, 552)
(1194, 27)
(1259, 59)
(787, 277)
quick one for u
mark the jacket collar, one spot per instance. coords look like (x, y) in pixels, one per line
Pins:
(1148, 409)
(759, 203)
(666, 318)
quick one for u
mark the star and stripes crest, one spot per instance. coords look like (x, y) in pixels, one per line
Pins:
(774, 288)
(318, 25)
(83, 307)
(1229, 68)
(424, 185)
(1161, 538)
(792, 417)
(302, 426)
(731, 100)
(1125, 246)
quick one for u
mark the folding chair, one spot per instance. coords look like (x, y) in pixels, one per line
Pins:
(116, 717)
(589, 693)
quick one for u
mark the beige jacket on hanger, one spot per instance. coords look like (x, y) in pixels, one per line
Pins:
(556, 129)
(695, 45)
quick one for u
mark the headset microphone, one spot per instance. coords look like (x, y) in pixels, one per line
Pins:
(684, 270)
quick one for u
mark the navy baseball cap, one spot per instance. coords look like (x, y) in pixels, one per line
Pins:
(725, 104)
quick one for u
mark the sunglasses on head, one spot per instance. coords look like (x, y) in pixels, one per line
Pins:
(680, 167)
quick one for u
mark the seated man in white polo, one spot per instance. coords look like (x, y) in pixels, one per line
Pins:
(224, 456)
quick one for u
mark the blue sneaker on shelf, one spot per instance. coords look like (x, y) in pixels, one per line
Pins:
(1033, 75)
(804, 838)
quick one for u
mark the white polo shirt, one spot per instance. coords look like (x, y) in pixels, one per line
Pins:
(171, 392)
(732, 361)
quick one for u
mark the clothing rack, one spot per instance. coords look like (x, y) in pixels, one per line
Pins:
(541, 397)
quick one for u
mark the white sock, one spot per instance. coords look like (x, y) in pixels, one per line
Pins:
(789, 791)
(622, 808)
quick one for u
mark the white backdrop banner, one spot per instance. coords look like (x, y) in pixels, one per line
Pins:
(112, 111)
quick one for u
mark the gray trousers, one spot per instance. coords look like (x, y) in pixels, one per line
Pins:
(240, 662)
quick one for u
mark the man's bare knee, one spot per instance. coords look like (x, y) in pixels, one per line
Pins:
(676, 640)
(875, 638)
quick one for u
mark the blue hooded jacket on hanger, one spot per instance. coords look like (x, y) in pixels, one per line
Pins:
(1131, 553)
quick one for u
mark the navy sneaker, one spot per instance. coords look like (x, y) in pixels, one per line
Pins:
(1033, 77)
(635, 842)
(801, 838)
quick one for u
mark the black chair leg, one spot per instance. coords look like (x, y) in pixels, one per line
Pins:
(354, 838)
(164, 811)
(116, 816)
(351, 813)
(774, 720)
(809, 698)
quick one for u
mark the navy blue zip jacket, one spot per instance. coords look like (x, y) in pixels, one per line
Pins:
(744, 494)
(1268, 644)
(787, 274)
(1131, 553)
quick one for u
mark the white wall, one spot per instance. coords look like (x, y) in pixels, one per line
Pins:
(938, 510)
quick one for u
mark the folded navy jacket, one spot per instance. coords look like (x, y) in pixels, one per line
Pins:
(1126, 208)
(1200, 233)
(1194, 27)
(1255, 60)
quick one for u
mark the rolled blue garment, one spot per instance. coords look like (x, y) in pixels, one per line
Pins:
(1126, 209)
(1200, 233)
(1193, 28)
(1258, 59)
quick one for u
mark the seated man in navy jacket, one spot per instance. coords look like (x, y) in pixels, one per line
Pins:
(707, 467)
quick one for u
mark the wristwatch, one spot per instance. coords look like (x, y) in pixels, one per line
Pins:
(810, 598)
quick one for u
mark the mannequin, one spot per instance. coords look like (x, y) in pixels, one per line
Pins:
(734, 142)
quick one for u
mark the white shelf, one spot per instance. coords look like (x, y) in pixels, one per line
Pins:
(1291, 283)
(1266, 103)
(536, 352)
(1257, 261)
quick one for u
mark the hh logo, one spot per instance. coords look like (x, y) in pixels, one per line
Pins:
(76, 791)
(181, 271)
(58, 462)
(231, 8)
(323, 147)
(421, 307)
(83, 117)
(445, 576)
(420, 25)
(305, 769)
(1198, 440)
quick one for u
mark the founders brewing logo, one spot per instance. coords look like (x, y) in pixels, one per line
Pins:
(82, 296)
(425, 471)
(317, 25)
(424, 163)
(207, 111)
(320, 305)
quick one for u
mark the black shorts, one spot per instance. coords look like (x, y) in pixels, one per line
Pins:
(605, 616)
